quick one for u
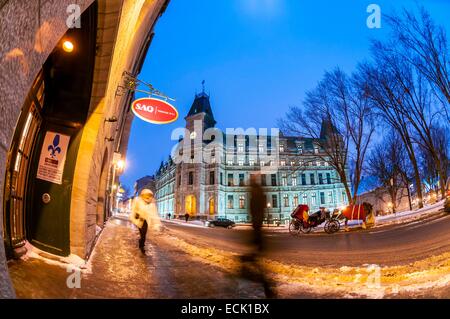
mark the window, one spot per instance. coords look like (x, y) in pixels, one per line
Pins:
(241, 162)
(316, 150)
(318, 163)
(295, 200)
(281, 148)
(213, 152)
(303, 179)
(241, 180)
(312, 179)
(211, 178)
(322, 198)
(261, 148)
(305, 198)
(179, 180)
(313, 199)
(284, 180)
(230, 202)
(274, 179)
(262, 163)
(230, 162)
(282, 163)
(294, 180)
(230, 180)
(322, 163)
(251, 162)
(300, 149)
(330, 197)
(191, 178)
(241, 201)
(221, 178)
(292, 163)
(240, 148)
(301, 163)
(314, 163)
(286, 200)
(263, 180)
(328, 178)
(320, 179)
(274, 201)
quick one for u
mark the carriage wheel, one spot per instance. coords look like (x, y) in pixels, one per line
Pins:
(305, 230)
(294, 227)
(332, 226)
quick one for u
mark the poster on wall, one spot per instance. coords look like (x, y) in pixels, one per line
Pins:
(53, 157)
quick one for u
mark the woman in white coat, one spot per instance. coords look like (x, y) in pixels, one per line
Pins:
(144, 214)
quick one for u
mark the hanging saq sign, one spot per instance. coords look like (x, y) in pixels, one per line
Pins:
(154, 111)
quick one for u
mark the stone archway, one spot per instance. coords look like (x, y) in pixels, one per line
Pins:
(102, 196)
(28, 36)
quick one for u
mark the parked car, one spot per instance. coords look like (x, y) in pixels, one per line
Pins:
(221, 222)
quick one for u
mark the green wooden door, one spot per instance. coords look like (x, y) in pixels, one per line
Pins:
(49, 210)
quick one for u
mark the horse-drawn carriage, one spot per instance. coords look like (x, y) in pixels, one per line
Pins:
(303, 222)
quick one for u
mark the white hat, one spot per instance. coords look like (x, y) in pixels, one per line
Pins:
(146, 191)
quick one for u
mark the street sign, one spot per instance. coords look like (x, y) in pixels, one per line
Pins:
(154, 110)
(53, 157)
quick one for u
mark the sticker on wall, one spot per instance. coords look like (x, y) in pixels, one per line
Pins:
(53, 157)
(154, 111)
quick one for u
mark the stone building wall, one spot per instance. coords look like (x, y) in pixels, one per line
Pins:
(28, 34)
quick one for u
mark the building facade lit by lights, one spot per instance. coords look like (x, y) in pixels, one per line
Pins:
(209, 171)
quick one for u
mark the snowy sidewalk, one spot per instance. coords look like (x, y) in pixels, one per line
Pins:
(411, 215)
(117, 269)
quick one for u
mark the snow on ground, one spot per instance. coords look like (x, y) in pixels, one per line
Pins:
(367, 281)
(72, 261)
(411, 214)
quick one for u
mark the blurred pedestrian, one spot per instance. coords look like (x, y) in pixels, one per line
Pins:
(186, 217)
(144, 214)
(251, 267)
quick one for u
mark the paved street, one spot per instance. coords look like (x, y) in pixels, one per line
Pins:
(388, 245)
(196, 262)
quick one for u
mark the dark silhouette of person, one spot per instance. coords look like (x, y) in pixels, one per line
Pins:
(251, 268)
(186, 216)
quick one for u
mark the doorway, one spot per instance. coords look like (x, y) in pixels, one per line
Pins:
(190, 205)
(18, 167)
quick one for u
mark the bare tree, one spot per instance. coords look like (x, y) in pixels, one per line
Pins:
(423, 44)
(337, 116)
(386, 164)
(430, 174)
(410, 96)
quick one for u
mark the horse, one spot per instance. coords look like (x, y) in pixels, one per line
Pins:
(362, 212)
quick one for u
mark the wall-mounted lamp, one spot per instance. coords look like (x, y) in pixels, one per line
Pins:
(67, 46)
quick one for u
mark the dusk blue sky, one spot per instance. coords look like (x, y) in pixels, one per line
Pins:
(258, 57)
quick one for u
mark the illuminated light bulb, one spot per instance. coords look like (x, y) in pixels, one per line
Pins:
(67, 46)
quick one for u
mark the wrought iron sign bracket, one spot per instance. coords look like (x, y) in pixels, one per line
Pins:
(130, 83)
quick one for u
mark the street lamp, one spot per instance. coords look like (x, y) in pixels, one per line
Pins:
(120, 165)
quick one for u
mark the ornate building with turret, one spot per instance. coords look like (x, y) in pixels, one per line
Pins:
(208, 173)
